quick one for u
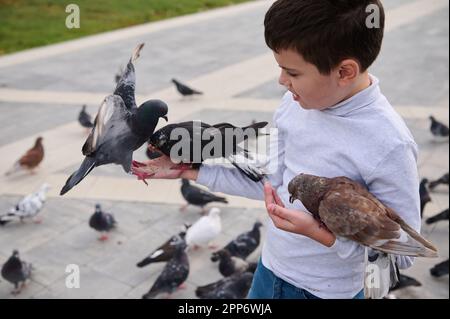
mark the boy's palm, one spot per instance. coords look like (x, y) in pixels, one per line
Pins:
(158, 168)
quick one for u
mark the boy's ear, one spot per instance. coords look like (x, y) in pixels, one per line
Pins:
(348, 70)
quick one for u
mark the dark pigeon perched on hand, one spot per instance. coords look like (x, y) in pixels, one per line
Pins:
(438, 217)
(424, 195)
(173, 275)
(120, 127)
(437, 128)
(166, 251)
(102, 222)
(16, 271)
(85, 118)
(233, 287)
(243, 245)
(180, 138)
(440, 269)
(349, 210)
(197, 196)
(444, 180)
(185, 90)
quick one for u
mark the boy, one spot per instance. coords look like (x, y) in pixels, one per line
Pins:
(333, 121)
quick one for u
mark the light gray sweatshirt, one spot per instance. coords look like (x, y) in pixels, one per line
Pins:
(362, 138)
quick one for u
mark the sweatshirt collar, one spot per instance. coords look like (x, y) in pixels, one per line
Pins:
(362, 99)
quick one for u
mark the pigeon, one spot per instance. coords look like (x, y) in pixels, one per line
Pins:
(85, 118)
(405, 281)
(197, 196)
(349, 210)
(151, 153)
(28, 207)
(442, 180)
(243, 245)
(440, 269)
(102, 222)
(166, 251)
(424, 195)
(438, 217)
(233, 287)
(193, 142)
(229, 265)
(184, 89)
(173, 275)
(204, 230)
(120, 127)
(16, 271)
(30, 160)
(438, 129)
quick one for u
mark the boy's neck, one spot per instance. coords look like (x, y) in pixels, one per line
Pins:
(363, 83)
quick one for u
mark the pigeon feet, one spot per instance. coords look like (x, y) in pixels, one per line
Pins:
(38, 220)
(213, 246)
(103, 237)
(182, 286)
(184, 207)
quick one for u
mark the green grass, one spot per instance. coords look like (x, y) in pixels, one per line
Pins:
(26, 24)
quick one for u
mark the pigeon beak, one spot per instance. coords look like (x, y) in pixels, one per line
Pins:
(291, 199)
(165, 117)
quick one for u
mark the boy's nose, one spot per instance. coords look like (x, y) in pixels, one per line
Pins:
(283, 79)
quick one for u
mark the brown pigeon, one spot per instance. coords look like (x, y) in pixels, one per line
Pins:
(348, 210)
(30, 159)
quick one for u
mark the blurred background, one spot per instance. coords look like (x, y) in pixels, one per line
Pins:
(55, 58)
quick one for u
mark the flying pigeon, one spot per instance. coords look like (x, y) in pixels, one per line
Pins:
(442, 180)
(173, 275)
(102, 222)
(16, 272)
(441, 216)
(85, 119)
(28, 207)
(438, 129)
(229, 265)
(233, 287)
(440, 269)
(120, 127)
(30, 160)
(424, 195)
(348, 210)
(243, 245)
(204, 230)
(197, 196)
(193, 142)
(184, 90)
(166, 251)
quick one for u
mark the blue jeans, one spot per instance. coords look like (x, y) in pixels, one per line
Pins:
(266, 285)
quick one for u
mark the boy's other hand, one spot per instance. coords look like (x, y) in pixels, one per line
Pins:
(294, 221)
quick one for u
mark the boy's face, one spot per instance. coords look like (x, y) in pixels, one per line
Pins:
(310, 88)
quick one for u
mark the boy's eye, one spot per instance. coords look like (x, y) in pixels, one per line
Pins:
(292, 74)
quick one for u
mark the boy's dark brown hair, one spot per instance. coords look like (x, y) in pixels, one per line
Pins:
(325, 32)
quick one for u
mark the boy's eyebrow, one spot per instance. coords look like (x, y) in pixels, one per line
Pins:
(288, 69)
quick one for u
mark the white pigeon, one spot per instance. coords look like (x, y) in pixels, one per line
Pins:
(204, 230)
(28, 207)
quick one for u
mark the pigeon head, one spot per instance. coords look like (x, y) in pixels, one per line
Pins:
(98, 208)
(307, 188)
(223, 254)
(149, 113)
(424, 181)
(15, 253)
(257, 225)
(174, 81)
(176, 240)
(83, 108)
(39, 140)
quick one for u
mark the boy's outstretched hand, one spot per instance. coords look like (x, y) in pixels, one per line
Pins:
(294, 221)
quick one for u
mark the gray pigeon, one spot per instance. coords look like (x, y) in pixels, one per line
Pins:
(120, 127)
(16, 271)
(102, 222)
(197, 196)
(233, 287)
(183, 89)
(424, 195)
(437, 128)
(438, 217)
(84, 118)
(243, 245)
(444, 180)
(166, 251)
(440, 269)
(28, 207)
(229, 265)
(173, 275)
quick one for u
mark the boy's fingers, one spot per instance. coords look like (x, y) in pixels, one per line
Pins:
(277, 198)
(268, 194)
(280, 222)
